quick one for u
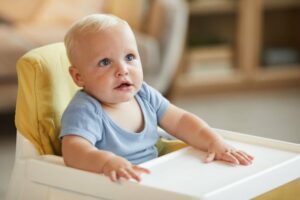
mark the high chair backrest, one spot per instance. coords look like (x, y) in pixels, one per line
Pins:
(45, 89)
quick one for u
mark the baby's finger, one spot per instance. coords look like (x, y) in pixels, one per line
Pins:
(241, 158)
(134, 175)
(113, 176)
(210, 157)
(229, 158)
(123, 173)
(248, 156)
(141, 169)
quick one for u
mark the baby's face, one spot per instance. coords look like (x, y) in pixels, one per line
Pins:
(107, 65)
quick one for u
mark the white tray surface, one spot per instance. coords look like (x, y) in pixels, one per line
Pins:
(198, 178)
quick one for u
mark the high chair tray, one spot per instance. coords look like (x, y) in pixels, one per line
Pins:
(184, 172)
(180, 175)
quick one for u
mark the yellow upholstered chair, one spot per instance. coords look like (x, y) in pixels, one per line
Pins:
(45, 89)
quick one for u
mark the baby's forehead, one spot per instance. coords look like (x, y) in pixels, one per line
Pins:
(118, 30)
(114, 37)
(98, 29)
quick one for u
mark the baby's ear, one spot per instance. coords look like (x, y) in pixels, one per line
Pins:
(76, 76)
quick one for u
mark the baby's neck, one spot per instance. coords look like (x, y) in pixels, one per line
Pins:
(117, 106)
(127, 115)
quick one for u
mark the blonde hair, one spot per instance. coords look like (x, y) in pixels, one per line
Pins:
(88, 24)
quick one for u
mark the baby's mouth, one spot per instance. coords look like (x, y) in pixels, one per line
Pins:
(124, 85)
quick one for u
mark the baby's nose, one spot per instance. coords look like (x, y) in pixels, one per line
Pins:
(122, 70)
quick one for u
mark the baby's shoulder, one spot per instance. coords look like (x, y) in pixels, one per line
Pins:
(145, 91)
(82, 102)
(150, 94)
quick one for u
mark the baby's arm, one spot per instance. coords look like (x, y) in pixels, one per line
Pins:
(79, 153)
(197, 133)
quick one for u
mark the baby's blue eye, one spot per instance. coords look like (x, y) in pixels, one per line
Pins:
(104, 62)
(130, 57)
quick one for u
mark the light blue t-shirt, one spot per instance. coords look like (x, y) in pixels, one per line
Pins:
(86, 118)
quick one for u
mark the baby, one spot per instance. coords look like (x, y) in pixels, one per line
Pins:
(110, 125)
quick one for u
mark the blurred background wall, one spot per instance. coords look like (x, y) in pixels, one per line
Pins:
(239, 67)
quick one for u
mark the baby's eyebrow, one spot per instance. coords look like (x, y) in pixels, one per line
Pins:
(131, 49)
(102, 56)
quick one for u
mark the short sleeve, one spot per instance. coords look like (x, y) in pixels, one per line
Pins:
(158, 102)
(82, 118)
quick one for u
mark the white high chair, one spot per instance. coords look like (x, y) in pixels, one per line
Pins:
(45, 88)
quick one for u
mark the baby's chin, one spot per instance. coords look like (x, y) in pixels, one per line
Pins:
(124, 99)
(118, 99)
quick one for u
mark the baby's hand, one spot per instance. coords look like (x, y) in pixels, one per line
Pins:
(118, 167)
(219, 150)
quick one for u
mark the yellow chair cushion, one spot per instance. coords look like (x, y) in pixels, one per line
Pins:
(165, 146)
(44, 90)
